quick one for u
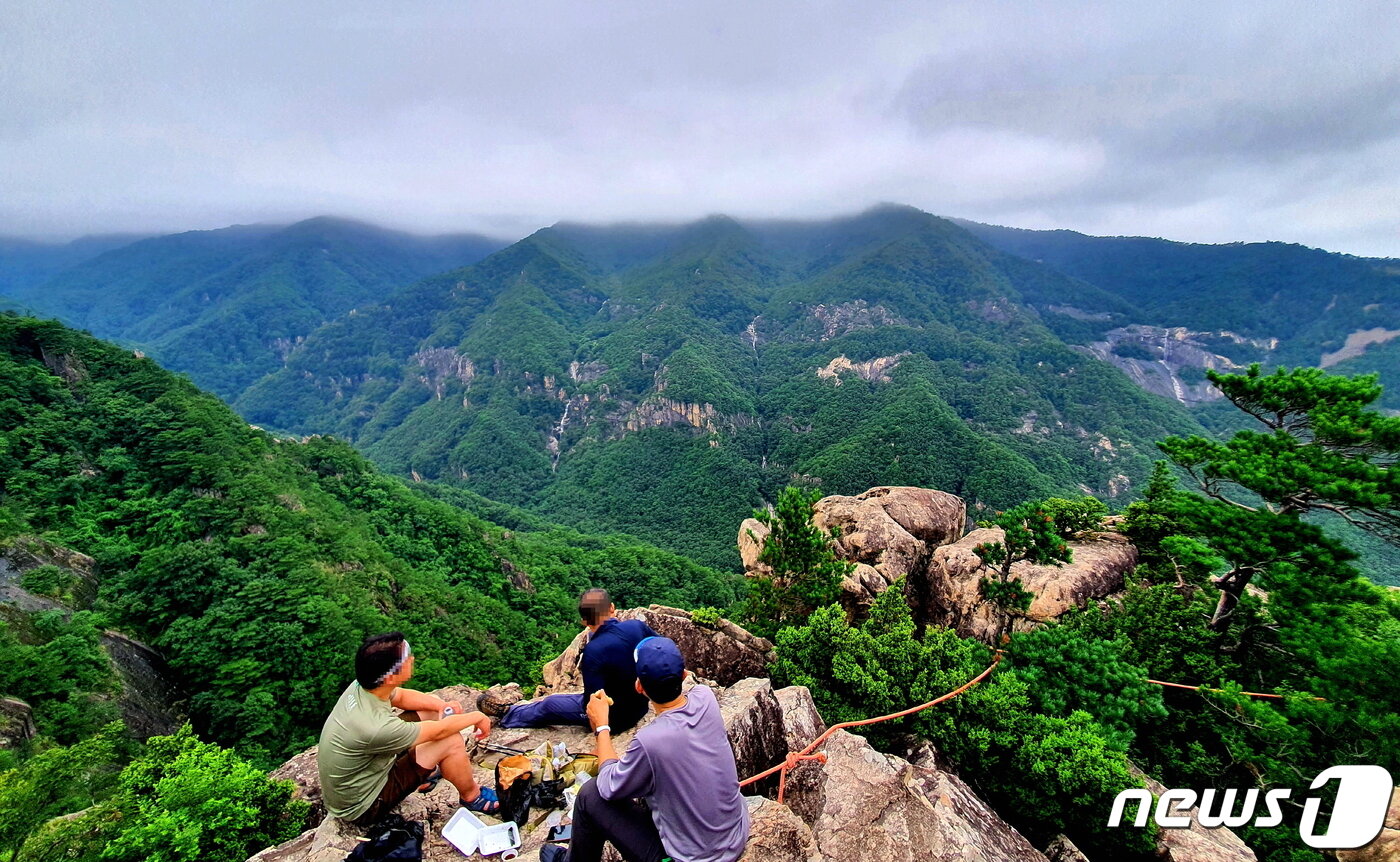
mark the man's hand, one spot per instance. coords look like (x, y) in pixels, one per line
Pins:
(598, 708)
(482, 726)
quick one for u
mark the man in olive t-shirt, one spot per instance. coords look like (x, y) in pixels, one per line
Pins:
(370, 759)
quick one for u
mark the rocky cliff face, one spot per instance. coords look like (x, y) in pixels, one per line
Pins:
(1170, 361)
(918, 534)
(148, 700)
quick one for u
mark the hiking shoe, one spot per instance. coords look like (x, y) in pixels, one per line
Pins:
(499, 698)
(553, 853)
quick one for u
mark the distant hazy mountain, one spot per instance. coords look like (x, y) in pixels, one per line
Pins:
(25, 264)
(664, 380)
(1270, 302)
(226, 305)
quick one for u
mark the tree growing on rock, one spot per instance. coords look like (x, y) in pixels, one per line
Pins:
(1029, 534)
(805, 573)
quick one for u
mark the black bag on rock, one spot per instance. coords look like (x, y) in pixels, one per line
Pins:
(392, 839)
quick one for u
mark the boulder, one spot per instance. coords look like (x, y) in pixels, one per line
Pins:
(16, 722)
(752, 535)
(917, 533)
(1386, 846)
(891, 530)
(724, 654)
(801, 721)
(1195, 843)
(868, 805)
(951, 593)
(1061, 849)
(776, 834)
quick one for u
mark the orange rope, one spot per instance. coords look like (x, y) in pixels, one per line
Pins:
(1222, 691)
(806, 754)
(794, 758)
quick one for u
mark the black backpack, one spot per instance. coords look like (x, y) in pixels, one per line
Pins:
(392, 838)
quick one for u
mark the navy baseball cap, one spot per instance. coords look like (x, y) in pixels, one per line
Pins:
(658, 659)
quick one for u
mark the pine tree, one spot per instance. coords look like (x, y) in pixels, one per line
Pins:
(1322, 451)
(1029, 534)
(806, 574)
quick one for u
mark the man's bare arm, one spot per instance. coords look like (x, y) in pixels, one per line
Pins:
(597, 709)
(432, 731)
(412, 701)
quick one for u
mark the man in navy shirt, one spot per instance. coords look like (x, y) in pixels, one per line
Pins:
(607, 664)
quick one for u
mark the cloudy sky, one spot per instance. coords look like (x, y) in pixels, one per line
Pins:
(1208, 122)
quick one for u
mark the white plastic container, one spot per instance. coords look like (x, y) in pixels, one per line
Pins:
(468, 834)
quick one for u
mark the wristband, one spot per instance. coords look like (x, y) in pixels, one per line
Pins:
(600, 728)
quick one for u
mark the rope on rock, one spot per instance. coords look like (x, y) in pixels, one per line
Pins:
(794, 758)
(797, 757)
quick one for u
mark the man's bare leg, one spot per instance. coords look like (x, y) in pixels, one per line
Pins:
(450, 755)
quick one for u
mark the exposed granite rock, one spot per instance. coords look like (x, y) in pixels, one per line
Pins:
(1386, 846)
(149, 702)
(776, 834)
(801, 721)
(917, 534)
(891, 529)
(868, 805)
(752, 535)
(1061, 849)
(725, 654)
(30, 552)
(1195, 843)
(16, 722)
(1100, 563)
(754, 719)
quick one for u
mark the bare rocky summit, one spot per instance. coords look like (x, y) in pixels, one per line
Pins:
(920, 535)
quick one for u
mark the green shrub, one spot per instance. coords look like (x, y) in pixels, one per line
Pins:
(1075, 517)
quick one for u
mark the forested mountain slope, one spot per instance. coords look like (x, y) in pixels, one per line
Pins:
(666, 380)
(226, 305)
(25, 264)
(256, 565)
(1287, 304)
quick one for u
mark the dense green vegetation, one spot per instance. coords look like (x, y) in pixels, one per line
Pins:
(1048, 737)
(665, 381)
(180, 800)
(224, 546)
(224, 306)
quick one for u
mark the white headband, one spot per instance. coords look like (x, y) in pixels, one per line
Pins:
(398, 665)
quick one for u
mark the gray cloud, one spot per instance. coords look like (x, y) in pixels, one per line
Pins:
(1215, 122)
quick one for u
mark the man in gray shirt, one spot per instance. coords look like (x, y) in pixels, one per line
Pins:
(682, 766)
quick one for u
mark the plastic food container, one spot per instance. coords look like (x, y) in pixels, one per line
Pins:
(468, 834)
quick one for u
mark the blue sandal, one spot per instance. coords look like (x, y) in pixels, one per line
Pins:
(484, 803)
(430, 782)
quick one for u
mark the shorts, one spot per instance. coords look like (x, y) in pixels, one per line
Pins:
(405, 776)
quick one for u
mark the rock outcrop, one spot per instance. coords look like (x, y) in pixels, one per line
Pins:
(917, 534)
(1386, 846)
(858, 804)
(16, 722)
(724, 654)
(868, 805)
(1099, 564)
(1195, 843)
